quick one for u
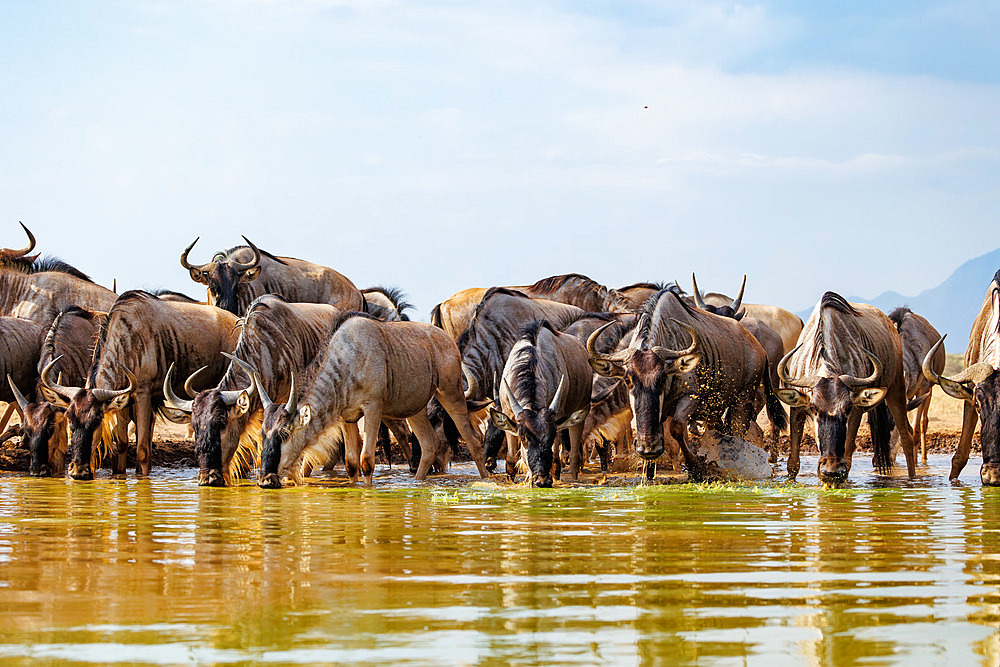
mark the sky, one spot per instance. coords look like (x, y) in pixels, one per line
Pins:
(434, 146)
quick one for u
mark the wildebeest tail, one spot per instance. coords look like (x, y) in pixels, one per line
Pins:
(775, 411)
(436, 316)
(881, 428)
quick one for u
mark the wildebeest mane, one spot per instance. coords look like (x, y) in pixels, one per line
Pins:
(55, 329)
(463, 338)
(32, 264)
(645, 323)
(838, 303)
(657, 286)
(898, 315)
(177, 295)
(553, 283)
(524, 377)
(396, 296)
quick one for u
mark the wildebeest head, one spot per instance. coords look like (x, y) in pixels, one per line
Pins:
(536, 430)
(979, 384)
(43, 430)
(645, 372)
(280, 421)
(224, 275)
(830, 400)
(85, 412)
(731, 311)
(211, 412)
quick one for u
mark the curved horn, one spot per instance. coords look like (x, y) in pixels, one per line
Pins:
(473, 386)
(172, 399)
(698, 300)
(31, 243)
(108, 394)
(265, 400)
(739, 297)
(188, 265)
(957, 386)
(69, 393)
(293, 398)
(808, 382)
(518, 408)
(666, 354)
(854, 382)
(22, 402)
(254, 262)
(557, 400)
(618, 357)
(230, 397)
(189, 383)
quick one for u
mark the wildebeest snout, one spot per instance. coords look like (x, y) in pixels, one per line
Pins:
(990, 474)
(832, 469)
(542, 481)
(80, 471)
(210, 478)
(649, 448)
(269, 480)
(40, 471)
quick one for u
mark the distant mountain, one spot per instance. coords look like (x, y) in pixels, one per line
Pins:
(951, 306)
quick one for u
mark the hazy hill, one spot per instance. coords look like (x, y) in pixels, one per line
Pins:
(951, 306)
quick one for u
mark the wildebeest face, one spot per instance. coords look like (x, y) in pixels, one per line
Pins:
(646, 376)
(85, 414)
(986, 398)
(536, 433)
(279, 425)
(40, 423)
(224, 276)
(209, 419)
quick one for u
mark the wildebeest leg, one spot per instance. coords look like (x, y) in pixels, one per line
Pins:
(119, 443)
(851, 440)
(671, 446)
(351, 449)
(558, 446)
(603, 452)
(384, 444)
(401, 434)
(575, 449)
(373, 422)
(970, 417)
(921, 422)
(427, 437)
(455, 406)
(513, 456)
(11, 407)
(797, 421)
(896, 400)
(143, 433)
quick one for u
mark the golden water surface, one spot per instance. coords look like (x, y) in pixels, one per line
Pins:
(160, 571)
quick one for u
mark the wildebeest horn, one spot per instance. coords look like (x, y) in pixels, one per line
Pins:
(293, 398)
(666, 354)
(854, 382)
(21, 400)
(956, 386)
(265, 400)
(698, 301)
(173, 400)
(184, 259)
(254, 262)
(189, 382)
(473, 385)
(617, 357)
(518, 409)
(108, 394)
(557, 400)
(808, 382)
(31, 243)
(230, 396)
(69, 393)
(739, 297)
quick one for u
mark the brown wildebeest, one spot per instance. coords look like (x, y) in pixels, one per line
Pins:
(849, 358)
(685, 365)
(237, 276)
(369, 369)
(142, 336)
(20, 345)
(979, 386)
(545, 389)
(918, 337)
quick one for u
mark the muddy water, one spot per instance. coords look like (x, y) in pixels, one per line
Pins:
(160, 571)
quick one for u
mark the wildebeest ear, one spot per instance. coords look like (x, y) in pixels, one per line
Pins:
(792, 397)
(607, 369)
(242, 404)
(177, 416)
(199, 276)
(251, 275)
(54, 398)
(476, 406)
(684, 364)
(867, 398)
(502, 421)
(573, 419)
(305, 416)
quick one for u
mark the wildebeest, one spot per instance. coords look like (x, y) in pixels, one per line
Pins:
(141, 337)
(848, 359)
(455, 313)
(978, 386)
(39, 288)
(773, 347)
(237, 276)
(374, 370)
(278, 339)
(545, 388)
(68, 346)
(918, 337)
(20, 344)
(684, 365)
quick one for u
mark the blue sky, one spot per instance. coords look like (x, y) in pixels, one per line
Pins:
(852, 146)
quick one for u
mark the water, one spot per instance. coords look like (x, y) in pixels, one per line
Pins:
(160, 571)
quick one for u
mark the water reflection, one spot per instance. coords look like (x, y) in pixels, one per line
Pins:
(162, 571)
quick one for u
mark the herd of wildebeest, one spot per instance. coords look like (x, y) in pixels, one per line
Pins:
(288, 367)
